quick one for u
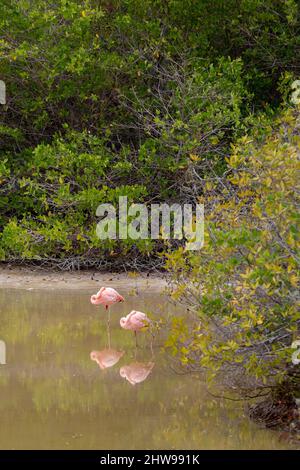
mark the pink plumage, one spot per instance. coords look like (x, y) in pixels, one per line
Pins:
(134, 321)
(106, 296)
(136, 372)
(106, 358)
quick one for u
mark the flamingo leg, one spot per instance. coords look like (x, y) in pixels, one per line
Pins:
(108, 325)
(135, 334)
(151, 344)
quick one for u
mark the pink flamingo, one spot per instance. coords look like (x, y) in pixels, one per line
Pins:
(107, 296)
(135, 321)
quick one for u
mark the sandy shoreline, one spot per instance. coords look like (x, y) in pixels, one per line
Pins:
(29, 278)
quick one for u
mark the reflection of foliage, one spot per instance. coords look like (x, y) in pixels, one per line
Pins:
(65, 394)
(52, 393)
(15, 322)
(244, 282)
(49, 338)
(106, 412)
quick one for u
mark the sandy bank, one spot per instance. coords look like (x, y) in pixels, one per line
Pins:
(29, 278)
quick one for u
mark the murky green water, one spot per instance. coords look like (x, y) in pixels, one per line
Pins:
(54, 396)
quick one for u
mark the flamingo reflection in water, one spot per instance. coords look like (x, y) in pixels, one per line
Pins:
(136, 372)
(106, 358)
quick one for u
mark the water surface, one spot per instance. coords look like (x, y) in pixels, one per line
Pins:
(53, 395)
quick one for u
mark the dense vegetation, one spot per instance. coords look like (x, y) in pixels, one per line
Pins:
(244, 282)
(163, 100)
(126, 97)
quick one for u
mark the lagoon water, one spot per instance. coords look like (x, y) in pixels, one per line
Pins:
(53, 395)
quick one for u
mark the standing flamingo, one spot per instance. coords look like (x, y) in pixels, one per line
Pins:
(107, 296)
(135, 321)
